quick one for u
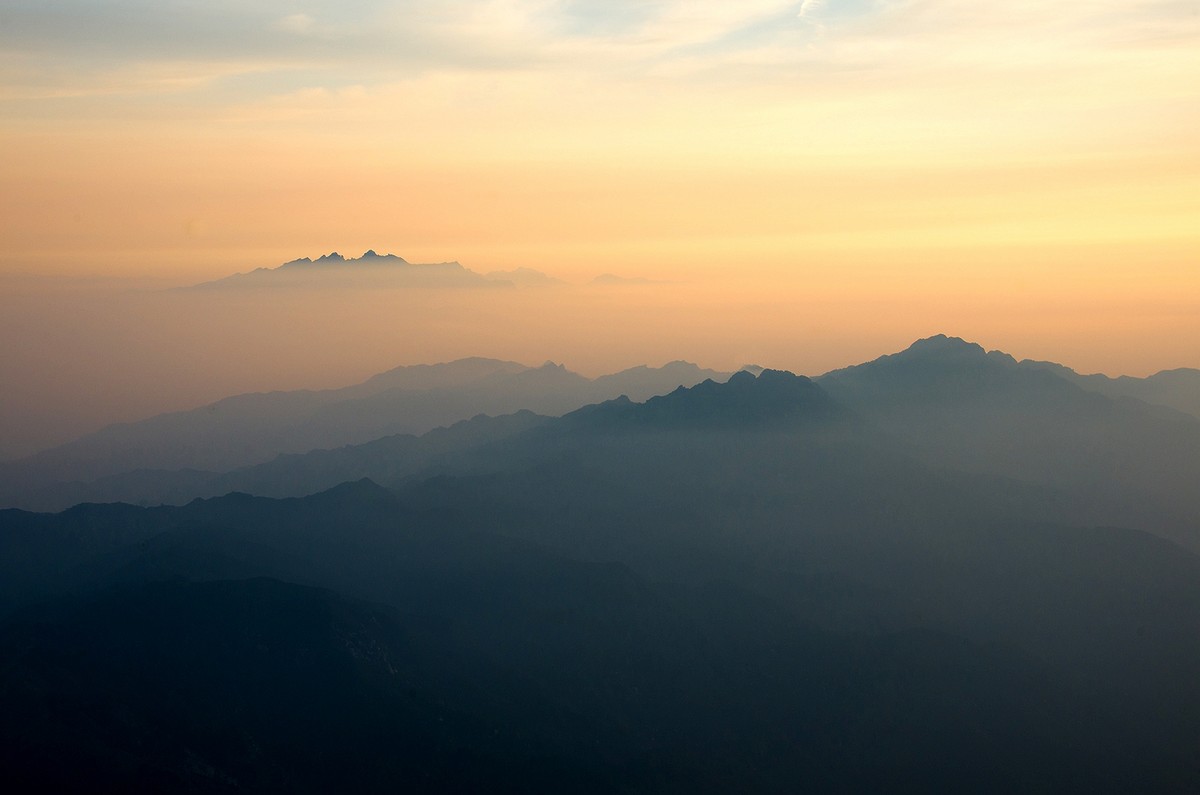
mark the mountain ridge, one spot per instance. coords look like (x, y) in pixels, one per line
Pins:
(763, 585)
(376, 271)
(254, 428)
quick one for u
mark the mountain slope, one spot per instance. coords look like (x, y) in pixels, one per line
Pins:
(260, 685)
(391, 458)
(592, 671)
(1178, 389)
(252, 429)
(753, 585)
(961, 407)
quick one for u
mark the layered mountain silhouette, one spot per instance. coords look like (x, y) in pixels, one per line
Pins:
(1178, 389)
(958, 406)
(375, 271)
(388, 459)
(944, 402)
(747, 585)
(253, 428)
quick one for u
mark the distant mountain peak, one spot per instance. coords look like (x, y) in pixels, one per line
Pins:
(938, 352)
(940, 344)
(937, 368)
(371, 269)
(680, 366)
(942, 347)
(369, 257)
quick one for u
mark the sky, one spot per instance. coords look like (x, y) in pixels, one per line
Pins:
(826, 176)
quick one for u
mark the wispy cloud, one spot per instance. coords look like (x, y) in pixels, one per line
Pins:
(377, 41)
(808, 6)
(296, 23)
(698, 78)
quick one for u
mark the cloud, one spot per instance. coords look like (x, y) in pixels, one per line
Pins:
(380, 41)
(809, 6)
(374, 39)
(745, 68)
(296, 23)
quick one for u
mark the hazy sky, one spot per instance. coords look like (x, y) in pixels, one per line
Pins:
(1021, 169)
(176, 135)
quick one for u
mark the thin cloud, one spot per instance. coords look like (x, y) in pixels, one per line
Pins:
(296, 23)
(378, 42)
(808, 6)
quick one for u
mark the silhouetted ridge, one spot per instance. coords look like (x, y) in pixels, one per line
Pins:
(927, 367)
(369, 257)
(773, 396)
(941, 344)
(947, 350)
(372, 269)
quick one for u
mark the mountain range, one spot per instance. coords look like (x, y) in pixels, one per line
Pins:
(1178, 389)
(947, 402)
(765, 584)
(373, 270)
(253, 428)
(960, 407)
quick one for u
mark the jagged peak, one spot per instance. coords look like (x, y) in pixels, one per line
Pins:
(371, 254)
(334, 257)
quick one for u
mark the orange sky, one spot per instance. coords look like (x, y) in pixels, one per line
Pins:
(862, 172)
(671, 135)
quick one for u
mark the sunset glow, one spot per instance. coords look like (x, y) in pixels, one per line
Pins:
(1023, 174)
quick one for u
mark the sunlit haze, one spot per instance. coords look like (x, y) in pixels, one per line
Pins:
(600, 396)
(803, 185)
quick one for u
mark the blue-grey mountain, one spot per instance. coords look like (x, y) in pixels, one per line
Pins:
(940, 571)
(373, 271)
(254, 428)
